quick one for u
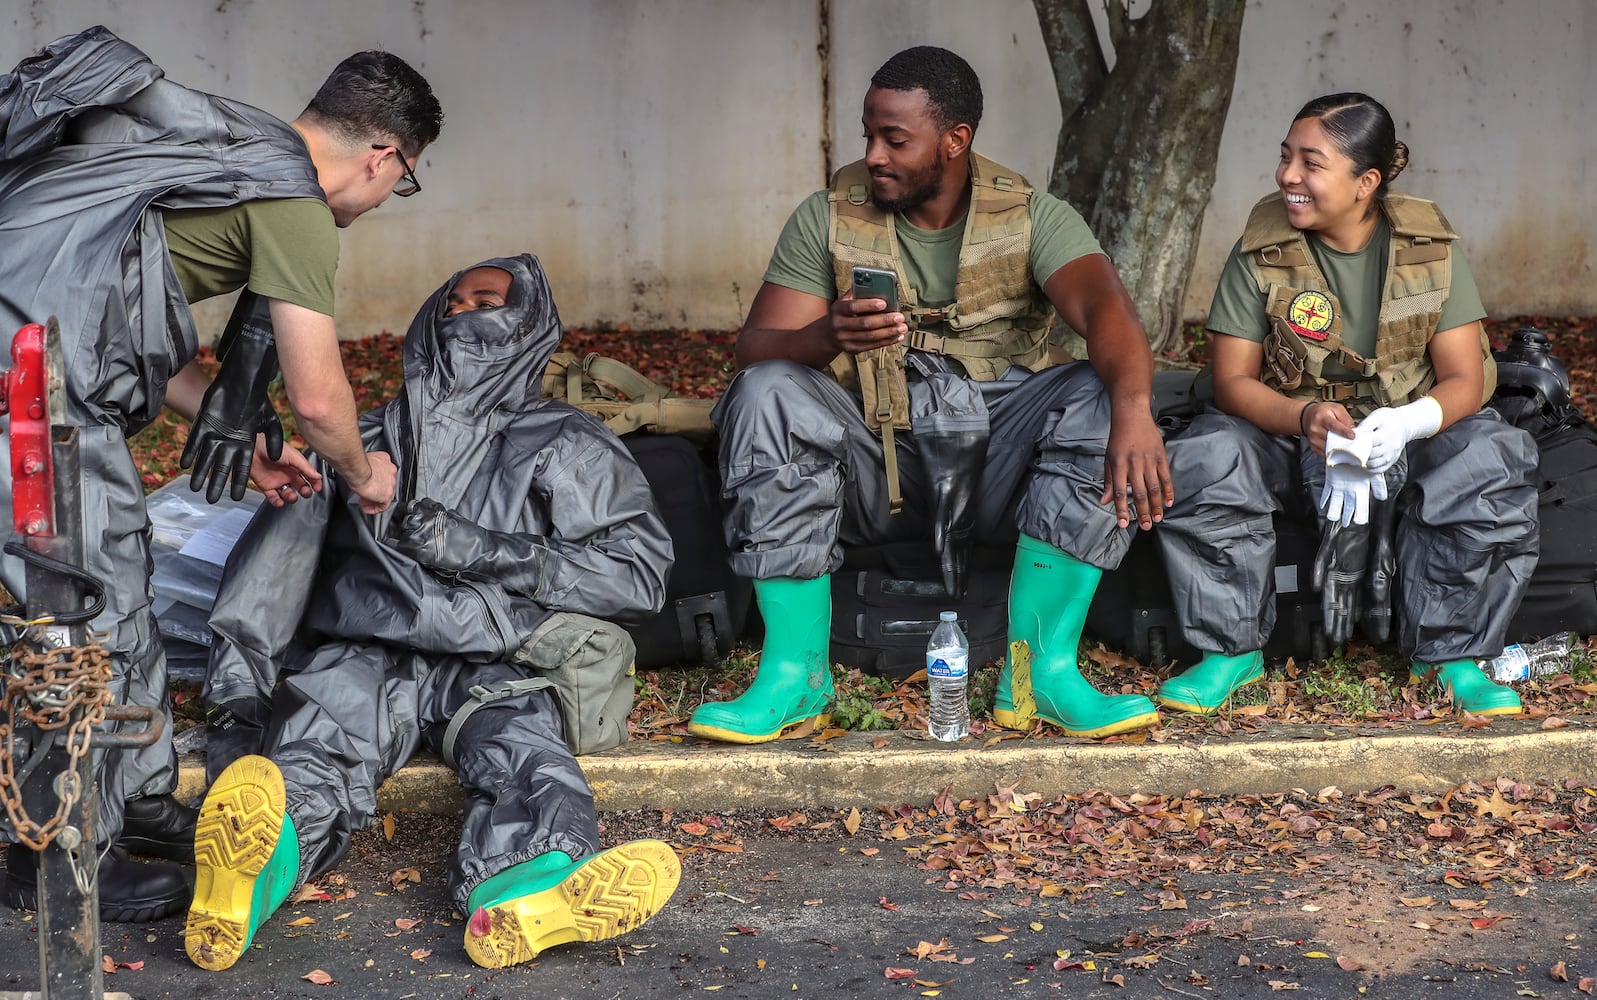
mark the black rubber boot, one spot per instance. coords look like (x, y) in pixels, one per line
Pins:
(159, 826)
(131, 892)
(233, 729)
(954, 463)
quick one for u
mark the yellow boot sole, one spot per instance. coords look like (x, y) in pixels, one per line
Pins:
(607, 894)
(792, 731)
(235, 835)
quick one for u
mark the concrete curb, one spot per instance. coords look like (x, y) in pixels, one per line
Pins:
(850, 771)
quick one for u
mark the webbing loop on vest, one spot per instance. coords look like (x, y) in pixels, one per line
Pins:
(485, 694)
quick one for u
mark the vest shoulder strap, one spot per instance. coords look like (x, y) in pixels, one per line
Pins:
(1002, 183)
(1268, 225)
(1416, 217)
(851, 183)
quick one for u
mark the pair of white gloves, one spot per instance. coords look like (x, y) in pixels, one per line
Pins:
(1355, 467)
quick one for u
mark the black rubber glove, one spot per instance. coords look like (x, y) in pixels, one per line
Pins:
(1376, 617)
(221, 443)
(453, 545)
(1339, 570)
(954, 463)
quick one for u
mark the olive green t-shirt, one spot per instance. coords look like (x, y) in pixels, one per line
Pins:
(802, 259)
(282, 248)
(1357, 279)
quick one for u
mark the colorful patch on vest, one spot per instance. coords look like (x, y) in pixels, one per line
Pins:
(1310, 315)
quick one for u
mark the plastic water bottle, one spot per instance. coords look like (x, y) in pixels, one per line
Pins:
(1538, 659)
(947, 669)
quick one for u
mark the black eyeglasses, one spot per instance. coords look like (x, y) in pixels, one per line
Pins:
(408, 184)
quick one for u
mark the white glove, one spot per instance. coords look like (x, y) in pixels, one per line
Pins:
(1347, 493)
(1348, 485)
(1390, 429)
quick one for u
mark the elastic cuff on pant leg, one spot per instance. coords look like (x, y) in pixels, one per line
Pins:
(488, 868)
(803, 562)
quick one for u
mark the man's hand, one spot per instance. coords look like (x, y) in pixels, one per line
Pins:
(376, 491)
(1136, 470)
(285, 480)
(435, 536)
(864, 325)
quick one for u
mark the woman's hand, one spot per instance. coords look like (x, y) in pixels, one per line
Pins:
(1320, 417)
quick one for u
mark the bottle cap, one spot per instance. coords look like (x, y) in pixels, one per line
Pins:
(949, 616)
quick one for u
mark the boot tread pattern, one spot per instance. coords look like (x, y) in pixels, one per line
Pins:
(607, 895)
(235, 836)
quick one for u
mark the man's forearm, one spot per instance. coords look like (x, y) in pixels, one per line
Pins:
(185, 390)
(808, 345)
(335, 436)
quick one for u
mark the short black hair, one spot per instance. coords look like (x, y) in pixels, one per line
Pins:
(951, 86)
(377, 95)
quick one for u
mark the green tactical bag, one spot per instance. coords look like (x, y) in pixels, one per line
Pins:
(624, 399)
(588, 663)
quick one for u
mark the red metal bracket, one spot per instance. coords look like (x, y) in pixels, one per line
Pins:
(24, 393)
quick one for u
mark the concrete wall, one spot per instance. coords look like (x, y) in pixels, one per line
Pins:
(649, 150)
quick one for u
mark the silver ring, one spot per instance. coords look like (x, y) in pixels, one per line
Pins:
(284, 488)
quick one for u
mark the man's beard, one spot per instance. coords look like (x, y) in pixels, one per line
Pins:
(912, 197)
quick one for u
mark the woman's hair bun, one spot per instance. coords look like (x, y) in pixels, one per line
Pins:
(1399, 160)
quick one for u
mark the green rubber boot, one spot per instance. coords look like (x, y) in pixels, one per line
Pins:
(1210, 683)
(792, 689)
(246, 857)
(1049, 593)
(551, 900)
(1468, 686)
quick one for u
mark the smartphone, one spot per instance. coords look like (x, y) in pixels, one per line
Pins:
(874, 283)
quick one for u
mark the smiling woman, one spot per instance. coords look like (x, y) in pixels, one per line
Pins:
(1345, 301)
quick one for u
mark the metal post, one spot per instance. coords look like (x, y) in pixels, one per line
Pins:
(47, 511)
(69, 897)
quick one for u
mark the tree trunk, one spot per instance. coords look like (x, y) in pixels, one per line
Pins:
(1139, 144)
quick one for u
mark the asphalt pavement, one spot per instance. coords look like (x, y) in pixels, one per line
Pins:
(850, 917)
(818, 912)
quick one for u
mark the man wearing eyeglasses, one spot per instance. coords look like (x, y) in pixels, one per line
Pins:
(124, 197)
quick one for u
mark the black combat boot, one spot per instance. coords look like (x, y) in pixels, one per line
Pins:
(159, 826)
(130, 891)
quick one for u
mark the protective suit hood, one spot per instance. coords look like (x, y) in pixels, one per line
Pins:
(499, 354)
(468, 376)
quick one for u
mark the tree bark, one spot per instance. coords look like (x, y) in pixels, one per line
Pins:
(1139, 144)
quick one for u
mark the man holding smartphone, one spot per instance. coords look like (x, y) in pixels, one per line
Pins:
(854, 424)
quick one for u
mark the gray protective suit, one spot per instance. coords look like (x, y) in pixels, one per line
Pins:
(804, 474)
(1467, 537)
(94, 143)
(378, 647)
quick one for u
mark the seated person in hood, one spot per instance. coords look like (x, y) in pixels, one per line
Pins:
(477, 618)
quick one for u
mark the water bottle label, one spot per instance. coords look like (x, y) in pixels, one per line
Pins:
(953, 667)
(1513, 665)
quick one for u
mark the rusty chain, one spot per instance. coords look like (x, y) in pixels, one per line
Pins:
(53, 688)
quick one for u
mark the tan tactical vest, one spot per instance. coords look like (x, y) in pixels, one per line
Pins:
(1306, 318)
(999, 317)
